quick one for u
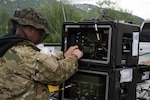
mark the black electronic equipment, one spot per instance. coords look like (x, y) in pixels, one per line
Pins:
(101, 85)
(87, 85)
(106, 43)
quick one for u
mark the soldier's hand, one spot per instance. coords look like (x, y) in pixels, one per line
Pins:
(70, 50)
(78, 53)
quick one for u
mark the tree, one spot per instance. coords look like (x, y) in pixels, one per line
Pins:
(56, 13)
(4, 18)
(112, 9)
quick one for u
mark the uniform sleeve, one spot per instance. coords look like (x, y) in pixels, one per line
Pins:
(52, 70)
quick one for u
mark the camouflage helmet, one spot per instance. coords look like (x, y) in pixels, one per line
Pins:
(29, 16)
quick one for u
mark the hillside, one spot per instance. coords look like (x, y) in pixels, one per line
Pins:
(56, 16)
(12, 5)
(91, 8)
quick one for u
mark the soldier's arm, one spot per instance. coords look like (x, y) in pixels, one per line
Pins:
(44, 68)
(56, 70)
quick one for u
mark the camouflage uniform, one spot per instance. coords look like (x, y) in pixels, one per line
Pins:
(25, 73)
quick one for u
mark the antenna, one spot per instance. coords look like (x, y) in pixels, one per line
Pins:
(63, 10)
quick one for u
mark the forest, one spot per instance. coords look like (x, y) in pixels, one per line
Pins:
(59, 11)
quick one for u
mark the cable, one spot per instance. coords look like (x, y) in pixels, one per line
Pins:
(144, 54)
(146, 90)
(62, 89)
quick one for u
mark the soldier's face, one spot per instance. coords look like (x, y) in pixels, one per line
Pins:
(33, 34)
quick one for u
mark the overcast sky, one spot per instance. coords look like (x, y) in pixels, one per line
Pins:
(140, 8)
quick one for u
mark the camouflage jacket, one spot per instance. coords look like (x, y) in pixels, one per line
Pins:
(25, 73)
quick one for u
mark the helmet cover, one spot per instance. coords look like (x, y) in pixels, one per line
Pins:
(31, 17)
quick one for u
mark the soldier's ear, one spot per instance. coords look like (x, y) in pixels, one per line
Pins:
(12, 26)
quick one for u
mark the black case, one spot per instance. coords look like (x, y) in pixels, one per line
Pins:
(108, 51)
(100, 85)
(113, 47)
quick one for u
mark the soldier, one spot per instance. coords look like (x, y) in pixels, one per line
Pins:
(25, 73)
